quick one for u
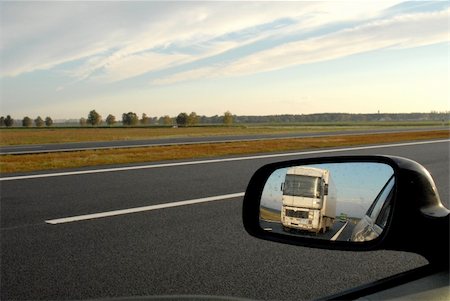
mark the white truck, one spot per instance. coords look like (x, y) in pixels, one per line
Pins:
(309, 199)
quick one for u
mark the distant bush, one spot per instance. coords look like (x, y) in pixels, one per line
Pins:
(83, 121)
(110, 120)
(39, 122)
(94, 118)
(9, 121)
(26, 121)
(130, 118)
(182, 119)
(48, 121)
(227, 118)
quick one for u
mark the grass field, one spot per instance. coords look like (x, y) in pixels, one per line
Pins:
(270, 214)
(63, 160)
(26, 136)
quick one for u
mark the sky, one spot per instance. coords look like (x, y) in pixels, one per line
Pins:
(63, 59)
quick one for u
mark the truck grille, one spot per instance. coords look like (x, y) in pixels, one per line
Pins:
(297, 214)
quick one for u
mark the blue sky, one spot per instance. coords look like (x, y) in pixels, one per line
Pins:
(256, 58)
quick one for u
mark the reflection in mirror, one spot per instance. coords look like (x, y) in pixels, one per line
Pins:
(333, 201)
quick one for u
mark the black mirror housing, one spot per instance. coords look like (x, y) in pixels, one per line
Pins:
(418, 221)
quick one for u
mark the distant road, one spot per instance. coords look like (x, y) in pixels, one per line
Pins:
(67, 147)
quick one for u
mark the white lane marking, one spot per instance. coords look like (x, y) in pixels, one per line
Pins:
(141, 209)
(94, 171)
(339, 232)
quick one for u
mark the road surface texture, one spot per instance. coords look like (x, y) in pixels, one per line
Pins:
(331, 234)
(199, 249)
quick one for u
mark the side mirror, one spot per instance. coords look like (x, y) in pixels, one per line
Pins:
(355, 203)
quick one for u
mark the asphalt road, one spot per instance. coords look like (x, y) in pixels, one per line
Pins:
(331, 234)
(199, 249)
(65, 147)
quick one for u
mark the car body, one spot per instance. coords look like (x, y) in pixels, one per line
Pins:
(375, 219)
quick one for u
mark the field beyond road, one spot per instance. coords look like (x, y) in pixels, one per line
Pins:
(90, 134)
(27, 136)
(76, 159)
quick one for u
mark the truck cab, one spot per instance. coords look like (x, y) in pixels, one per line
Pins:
(309, 200)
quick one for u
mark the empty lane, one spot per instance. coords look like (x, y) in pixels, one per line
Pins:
(194, 249)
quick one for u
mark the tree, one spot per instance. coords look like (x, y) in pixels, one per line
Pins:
(83, 121)
(192, 119)
(227, 118)
(9, 121)
(145, 119)
(110, 120)
(39, 122)
(129, 118)
(94, 118)
(48, 121)
(2, 121)
(26, 121)
(182, 119)
(167, 120)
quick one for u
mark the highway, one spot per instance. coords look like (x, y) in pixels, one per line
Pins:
(78, 146)
(195, 248)
(336, 232)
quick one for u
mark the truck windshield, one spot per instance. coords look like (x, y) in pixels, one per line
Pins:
(297, 185)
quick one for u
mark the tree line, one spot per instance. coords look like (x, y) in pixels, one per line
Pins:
(128, 119)
(183, 119)
(8, 121)
(132, 119)
(345, 117)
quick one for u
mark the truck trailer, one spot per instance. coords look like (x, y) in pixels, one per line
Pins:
(309, 200)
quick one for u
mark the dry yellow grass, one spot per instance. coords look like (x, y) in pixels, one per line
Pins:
(67, 135)
(26, 163)
(269, 215)
(60, 135)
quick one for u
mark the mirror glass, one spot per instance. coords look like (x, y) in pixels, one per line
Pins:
(335, 201)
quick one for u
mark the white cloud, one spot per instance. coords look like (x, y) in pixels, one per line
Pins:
(205, 72)
(403, 31)
(109, 35)
(116, 68)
